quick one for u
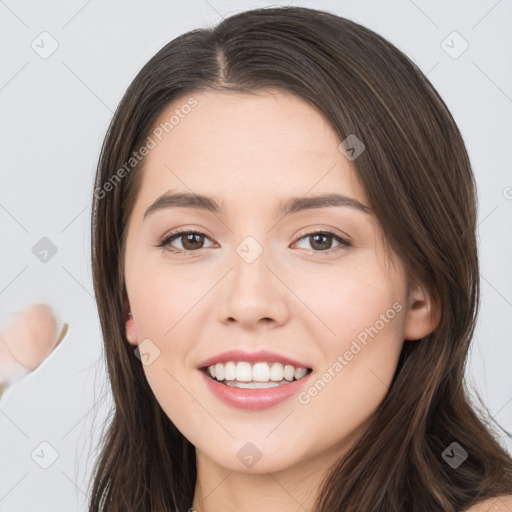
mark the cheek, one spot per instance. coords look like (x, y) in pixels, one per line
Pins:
(352, 301)
(166, 303)
(358, 364)
(364, 308)
(163, 299)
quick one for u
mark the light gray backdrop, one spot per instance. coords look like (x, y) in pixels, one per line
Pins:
(64, 68)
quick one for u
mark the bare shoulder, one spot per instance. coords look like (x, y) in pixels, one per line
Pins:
(499, 504)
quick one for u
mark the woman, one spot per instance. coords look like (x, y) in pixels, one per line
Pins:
(285, 266)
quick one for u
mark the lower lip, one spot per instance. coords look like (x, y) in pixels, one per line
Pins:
(254, 399)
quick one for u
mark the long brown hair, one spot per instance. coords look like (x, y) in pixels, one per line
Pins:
(420, 184)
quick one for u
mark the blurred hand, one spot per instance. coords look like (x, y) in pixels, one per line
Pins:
(27, 341)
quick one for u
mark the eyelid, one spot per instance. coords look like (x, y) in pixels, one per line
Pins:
(313, 229)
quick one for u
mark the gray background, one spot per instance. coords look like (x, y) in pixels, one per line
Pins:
(54, 114)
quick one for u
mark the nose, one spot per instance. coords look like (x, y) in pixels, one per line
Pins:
(253, 295)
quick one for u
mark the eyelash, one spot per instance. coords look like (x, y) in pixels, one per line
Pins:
(177, 234)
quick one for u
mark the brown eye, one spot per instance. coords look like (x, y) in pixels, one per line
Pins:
(190, 241)
(322, 241)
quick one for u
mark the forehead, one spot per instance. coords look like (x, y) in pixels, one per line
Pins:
(239, 145)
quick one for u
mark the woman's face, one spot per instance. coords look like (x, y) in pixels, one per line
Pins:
(257, 278)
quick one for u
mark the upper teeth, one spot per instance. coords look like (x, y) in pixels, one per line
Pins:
(259, 372)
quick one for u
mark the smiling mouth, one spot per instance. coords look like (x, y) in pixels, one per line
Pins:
(257, 376)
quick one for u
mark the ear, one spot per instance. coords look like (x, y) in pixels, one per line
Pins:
(423, 316)
(131, 328)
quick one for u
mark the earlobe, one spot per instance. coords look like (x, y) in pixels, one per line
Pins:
(131, 329)
(422, 316)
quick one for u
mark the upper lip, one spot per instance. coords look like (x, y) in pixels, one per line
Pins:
(251, 357)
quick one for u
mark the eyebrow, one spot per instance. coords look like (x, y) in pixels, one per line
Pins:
(172, 199)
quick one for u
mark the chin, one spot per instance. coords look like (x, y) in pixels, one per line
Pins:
(239, 460)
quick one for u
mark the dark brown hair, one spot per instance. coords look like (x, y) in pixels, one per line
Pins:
(419, 183)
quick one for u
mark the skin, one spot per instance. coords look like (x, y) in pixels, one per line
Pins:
(251, 151)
